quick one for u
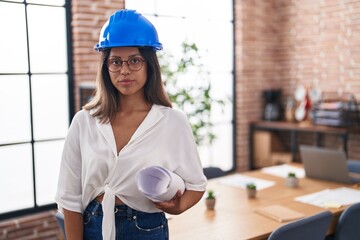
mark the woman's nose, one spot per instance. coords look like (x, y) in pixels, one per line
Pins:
(125, 70)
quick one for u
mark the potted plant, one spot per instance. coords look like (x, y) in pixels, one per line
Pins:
(189, 88)
(291, 180)
(251, 190)
(210, 200)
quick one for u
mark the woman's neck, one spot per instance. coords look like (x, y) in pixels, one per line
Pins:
(131, 104)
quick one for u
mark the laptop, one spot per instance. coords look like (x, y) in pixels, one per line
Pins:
(326, 164)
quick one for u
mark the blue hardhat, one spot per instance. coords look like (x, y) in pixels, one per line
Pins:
(127, 28)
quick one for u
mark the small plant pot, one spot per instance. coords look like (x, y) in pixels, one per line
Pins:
(251, 193)
(291, 182)
(210, 203)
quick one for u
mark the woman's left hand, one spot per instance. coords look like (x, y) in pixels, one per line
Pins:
(180, 203)
(172, 206)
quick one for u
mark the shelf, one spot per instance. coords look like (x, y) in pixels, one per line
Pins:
(295, 128)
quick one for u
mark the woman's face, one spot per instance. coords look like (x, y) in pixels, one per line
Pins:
(127, 70)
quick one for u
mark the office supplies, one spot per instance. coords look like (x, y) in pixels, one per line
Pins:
(240, 180)
(279, 213)
(326, 164)
(283, 170)
(331, 198)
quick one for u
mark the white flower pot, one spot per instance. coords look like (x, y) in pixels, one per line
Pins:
(210, 203)
(291, 182)
(251, 193)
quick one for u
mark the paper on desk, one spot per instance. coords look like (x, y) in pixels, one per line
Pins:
(239, 180)
(159, 184)
(331, 197)
(283, 170)
(279, 213)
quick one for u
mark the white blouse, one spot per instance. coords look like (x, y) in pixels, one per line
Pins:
(91, 165)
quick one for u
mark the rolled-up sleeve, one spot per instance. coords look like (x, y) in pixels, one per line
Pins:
(69, 191)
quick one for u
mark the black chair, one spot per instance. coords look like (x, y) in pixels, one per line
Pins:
(348, 226)
(213, 172)
(354, 166)
(309, 228)
(60, 220)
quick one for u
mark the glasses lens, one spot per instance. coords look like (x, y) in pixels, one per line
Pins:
(134, 64)
(114, 64)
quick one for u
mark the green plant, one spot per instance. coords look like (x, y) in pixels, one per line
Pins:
(210, 194)
(251, 186)
(292, 174)
(189, 88)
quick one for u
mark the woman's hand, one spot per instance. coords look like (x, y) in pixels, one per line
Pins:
(172, 206)
(180, 203)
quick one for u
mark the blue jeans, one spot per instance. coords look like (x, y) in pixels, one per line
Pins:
(130, 224)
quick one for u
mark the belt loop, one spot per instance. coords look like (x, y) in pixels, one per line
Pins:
(129, 213)
(95, 208)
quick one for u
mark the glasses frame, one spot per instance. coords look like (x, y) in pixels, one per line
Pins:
(121, 65)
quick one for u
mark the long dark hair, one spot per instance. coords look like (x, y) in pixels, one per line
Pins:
(107, 98)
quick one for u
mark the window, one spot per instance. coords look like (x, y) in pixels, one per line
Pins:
(34, 96)
(208, 24)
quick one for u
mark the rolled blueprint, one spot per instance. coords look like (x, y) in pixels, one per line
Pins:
(159, 184)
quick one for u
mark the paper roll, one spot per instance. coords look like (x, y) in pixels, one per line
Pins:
(159, 184)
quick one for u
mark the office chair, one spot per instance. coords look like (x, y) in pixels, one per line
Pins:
(60, 220)
(353, 166)
(309, 228)
(213, 172)
(348, 226)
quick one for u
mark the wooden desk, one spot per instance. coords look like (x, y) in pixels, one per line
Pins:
(234, 217)
(295, 128)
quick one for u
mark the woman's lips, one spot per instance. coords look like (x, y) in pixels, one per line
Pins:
(126, 82)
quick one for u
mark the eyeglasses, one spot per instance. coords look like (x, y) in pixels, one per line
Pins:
(134, 63)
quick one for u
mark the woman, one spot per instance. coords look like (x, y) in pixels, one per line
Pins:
(129, 125)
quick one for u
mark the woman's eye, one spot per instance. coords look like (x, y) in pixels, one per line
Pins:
(115, 62)
(135, 60)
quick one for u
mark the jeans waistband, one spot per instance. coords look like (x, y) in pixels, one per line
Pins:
(122, 210)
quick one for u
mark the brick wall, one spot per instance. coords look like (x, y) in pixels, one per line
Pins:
(42, 226)
(88, 18)
(283, 44)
